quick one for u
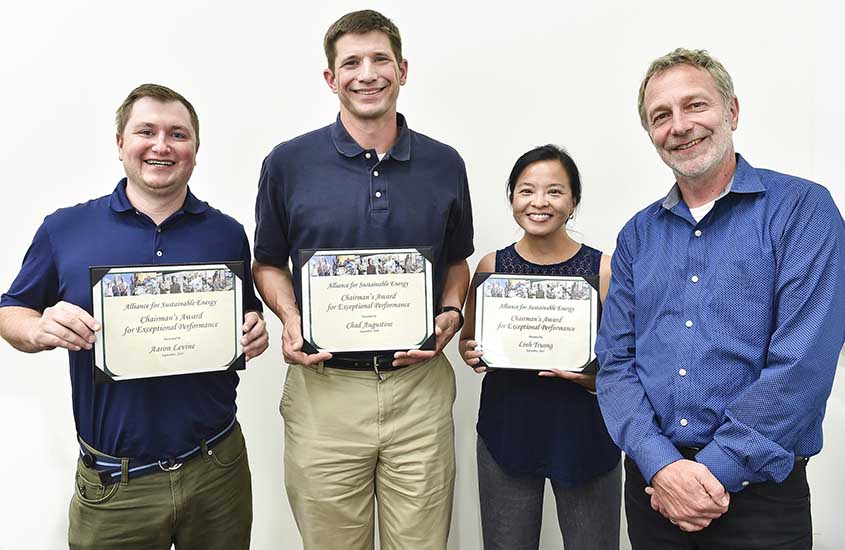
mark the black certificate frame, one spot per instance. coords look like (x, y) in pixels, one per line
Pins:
(589, 367)
(310, 346)
(102, 372)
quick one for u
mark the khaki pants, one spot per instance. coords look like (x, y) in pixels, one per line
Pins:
(351, 437)
(204, 505)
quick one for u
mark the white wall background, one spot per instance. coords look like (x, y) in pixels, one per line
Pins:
(490, 79)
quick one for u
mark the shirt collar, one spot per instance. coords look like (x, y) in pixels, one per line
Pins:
(744, 180)
(119, 202)
(347, 146)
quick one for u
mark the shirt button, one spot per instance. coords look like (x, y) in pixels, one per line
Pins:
(159, 253)
(375, 173)
(684, 422)
(688, 324)
(682, 372)
(378, 194)
(745, 484)
(158, 229)
(698, 232)
(694, 278)
(369, 156)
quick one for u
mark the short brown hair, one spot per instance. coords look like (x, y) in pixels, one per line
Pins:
(360, 22)
(160, 93)
(696, 58)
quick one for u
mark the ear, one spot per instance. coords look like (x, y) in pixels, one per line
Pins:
(403, 72)
(119, 140)
(328, 76)
(734, 108)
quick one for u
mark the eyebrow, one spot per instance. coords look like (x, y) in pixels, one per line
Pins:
(684, 99)
(175, 127)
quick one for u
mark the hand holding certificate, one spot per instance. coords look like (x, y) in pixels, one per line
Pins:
(537, 322)
(167, 319)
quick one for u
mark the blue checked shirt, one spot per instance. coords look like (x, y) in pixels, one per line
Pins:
(725, 334)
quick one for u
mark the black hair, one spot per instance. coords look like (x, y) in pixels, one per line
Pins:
(547, 152)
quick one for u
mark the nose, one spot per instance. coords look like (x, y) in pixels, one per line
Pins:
(681, 123)
(161, 145)
(539, 200)
(368, 71)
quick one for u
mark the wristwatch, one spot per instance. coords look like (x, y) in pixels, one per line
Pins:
(444, 309)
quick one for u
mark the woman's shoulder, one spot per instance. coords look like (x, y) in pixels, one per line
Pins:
(487, 264)
(590, 251)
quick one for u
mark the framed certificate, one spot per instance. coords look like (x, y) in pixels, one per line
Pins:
(367, 300)
(537, 322)
(162, 320)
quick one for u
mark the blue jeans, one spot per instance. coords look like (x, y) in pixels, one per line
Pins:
(512, 509)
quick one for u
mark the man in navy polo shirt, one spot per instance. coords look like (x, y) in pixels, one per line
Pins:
(163, 460)
(359, 427)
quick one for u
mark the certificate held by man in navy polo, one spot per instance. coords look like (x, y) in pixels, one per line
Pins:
(367, 300)
(167, 319)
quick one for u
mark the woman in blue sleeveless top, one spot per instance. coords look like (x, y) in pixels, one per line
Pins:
(533, 426)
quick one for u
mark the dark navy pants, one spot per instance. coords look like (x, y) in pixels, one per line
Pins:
(763, 516)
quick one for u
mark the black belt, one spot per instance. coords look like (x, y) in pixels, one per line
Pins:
(378, 362)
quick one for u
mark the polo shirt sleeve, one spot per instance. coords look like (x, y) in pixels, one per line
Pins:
(627, 411)
(37, 284)
(763, 424)
(271, 221)
(251, 301)
(459, 231)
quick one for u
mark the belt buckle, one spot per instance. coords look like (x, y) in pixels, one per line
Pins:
(171, 465)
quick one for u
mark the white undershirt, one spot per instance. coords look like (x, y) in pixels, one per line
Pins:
(700, 211)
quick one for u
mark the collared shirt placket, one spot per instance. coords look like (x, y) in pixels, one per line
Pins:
(686, 370)
(378, 181)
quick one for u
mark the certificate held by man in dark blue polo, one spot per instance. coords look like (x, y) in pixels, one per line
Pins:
(367, 300)
(167, 319)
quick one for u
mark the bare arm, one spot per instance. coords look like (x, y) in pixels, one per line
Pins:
(63, 325)
(604, 277)
(445, 324)
(276, 289)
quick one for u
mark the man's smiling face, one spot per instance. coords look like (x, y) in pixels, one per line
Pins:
(158, 147)
(688, 121)
(366, 75)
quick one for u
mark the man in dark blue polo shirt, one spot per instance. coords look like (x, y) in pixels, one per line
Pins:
(384, 429)
(131, 492)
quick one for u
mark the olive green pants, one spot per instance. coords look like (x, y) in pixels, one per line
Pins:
(205, 504)
(352, 438)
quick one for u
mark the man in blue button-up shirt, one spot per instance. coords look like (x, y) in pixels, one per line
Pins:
(357, 426)
(721, 331)
(124, 496)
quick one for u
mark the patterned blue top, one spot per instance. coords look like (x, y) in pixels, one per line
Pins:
(724, 334)
(544, 427)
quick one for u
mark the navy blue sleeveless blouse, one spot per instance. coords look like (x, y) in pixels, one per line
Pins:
(544, 427)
